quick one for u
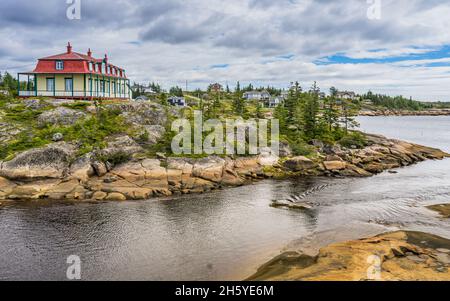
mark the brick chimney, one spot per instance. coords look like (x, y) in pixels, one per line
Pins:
(89, 53)
(69, 48)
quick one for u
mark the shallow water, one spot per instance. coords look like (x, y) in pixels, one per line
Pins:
(225, 235)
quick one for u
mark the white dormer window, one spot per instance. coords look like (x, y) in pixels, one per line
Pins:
(96, 67)
(103, 68)
(59, 65)
(90, 66)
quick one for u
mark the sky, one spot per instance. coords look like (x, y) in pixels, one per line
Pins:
(395, 47)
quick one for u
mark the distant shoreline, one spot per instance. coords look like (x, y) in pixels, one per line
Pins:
(432, 112)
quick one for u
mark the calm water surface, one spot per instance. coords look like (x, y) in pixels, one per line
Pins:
(225, 235)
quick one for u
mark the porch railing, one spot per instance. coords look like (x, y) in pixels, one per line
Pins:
(80, 94)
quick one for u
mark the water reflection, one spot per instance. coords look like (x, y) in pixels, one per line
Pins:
(223, 235)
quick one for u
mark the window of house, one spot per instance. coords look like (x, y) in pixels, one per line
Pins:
(90, 66)
(69, 84)
(50, 84)
(103, 68)
(59, 65)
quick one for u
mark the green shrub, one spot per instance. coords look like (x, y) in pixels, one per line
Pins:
(24, 141)
(116, 158)
(300, 148)
(353, 139)
(77, 105)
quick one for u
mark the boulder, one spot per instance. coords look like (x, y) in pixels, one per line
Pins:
(334, 165)
(299, 163)
(35, 104)
(99, 168)
(230, 177)
(52, 161)
(142, 113)
(248, 166)
(121, 145)
(185, 165)
(155, 133)
(33, 190)
(210, 169)
(60, 116)
(82, 168)
(115, 196)
(99, 196)
(353, 171)
(6, 187)
(145, 174)
(8, 132)
(267, 158)
(64, 190)
(57, 137)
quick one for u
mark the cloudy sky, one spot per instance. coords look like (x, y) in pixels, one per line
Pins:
(336, 43)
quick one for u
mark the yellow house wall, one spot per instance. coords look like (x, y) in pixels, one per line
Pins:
(42, 82)
(79, 84)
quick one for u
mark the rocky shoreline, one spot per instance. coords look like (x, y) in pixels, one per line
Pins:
(405, 256)
(433, 112)
(54, 172)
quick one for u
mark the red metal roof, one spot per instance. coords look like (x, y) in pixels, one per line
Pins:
(75, 62)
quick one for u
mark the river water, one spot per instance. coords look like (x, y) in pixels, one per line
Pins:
(225, 235)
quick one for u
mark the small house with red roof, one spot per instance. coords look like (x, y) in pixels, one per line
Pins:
(73, 75)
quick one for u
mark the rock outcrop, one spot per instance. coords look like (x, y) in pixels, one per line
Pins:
(297, 164)
(442, 209)
(60, 116)
(54, 172)
(121, 144)
(51, 162)
(386, 112)
(142, 113)
(408, 256)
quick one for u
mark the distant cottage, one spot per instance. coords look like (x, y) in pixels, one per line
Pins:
(74, 75)
(346, 95)
(257, 95)
(177, 101)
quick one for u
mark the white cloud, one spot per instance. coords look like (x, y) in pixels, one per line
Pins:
(171, 41)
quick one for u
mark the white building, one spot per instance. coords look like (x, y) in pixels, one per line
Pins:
(348, 95)
(257, 95)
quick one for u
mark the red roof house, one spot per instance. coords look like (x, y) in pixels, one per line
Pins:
(75, 75)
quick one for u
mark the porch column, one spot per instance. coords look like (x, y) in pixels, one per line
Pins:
(18, 84)
(54, 85)
(129, 90)
(35, 86)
